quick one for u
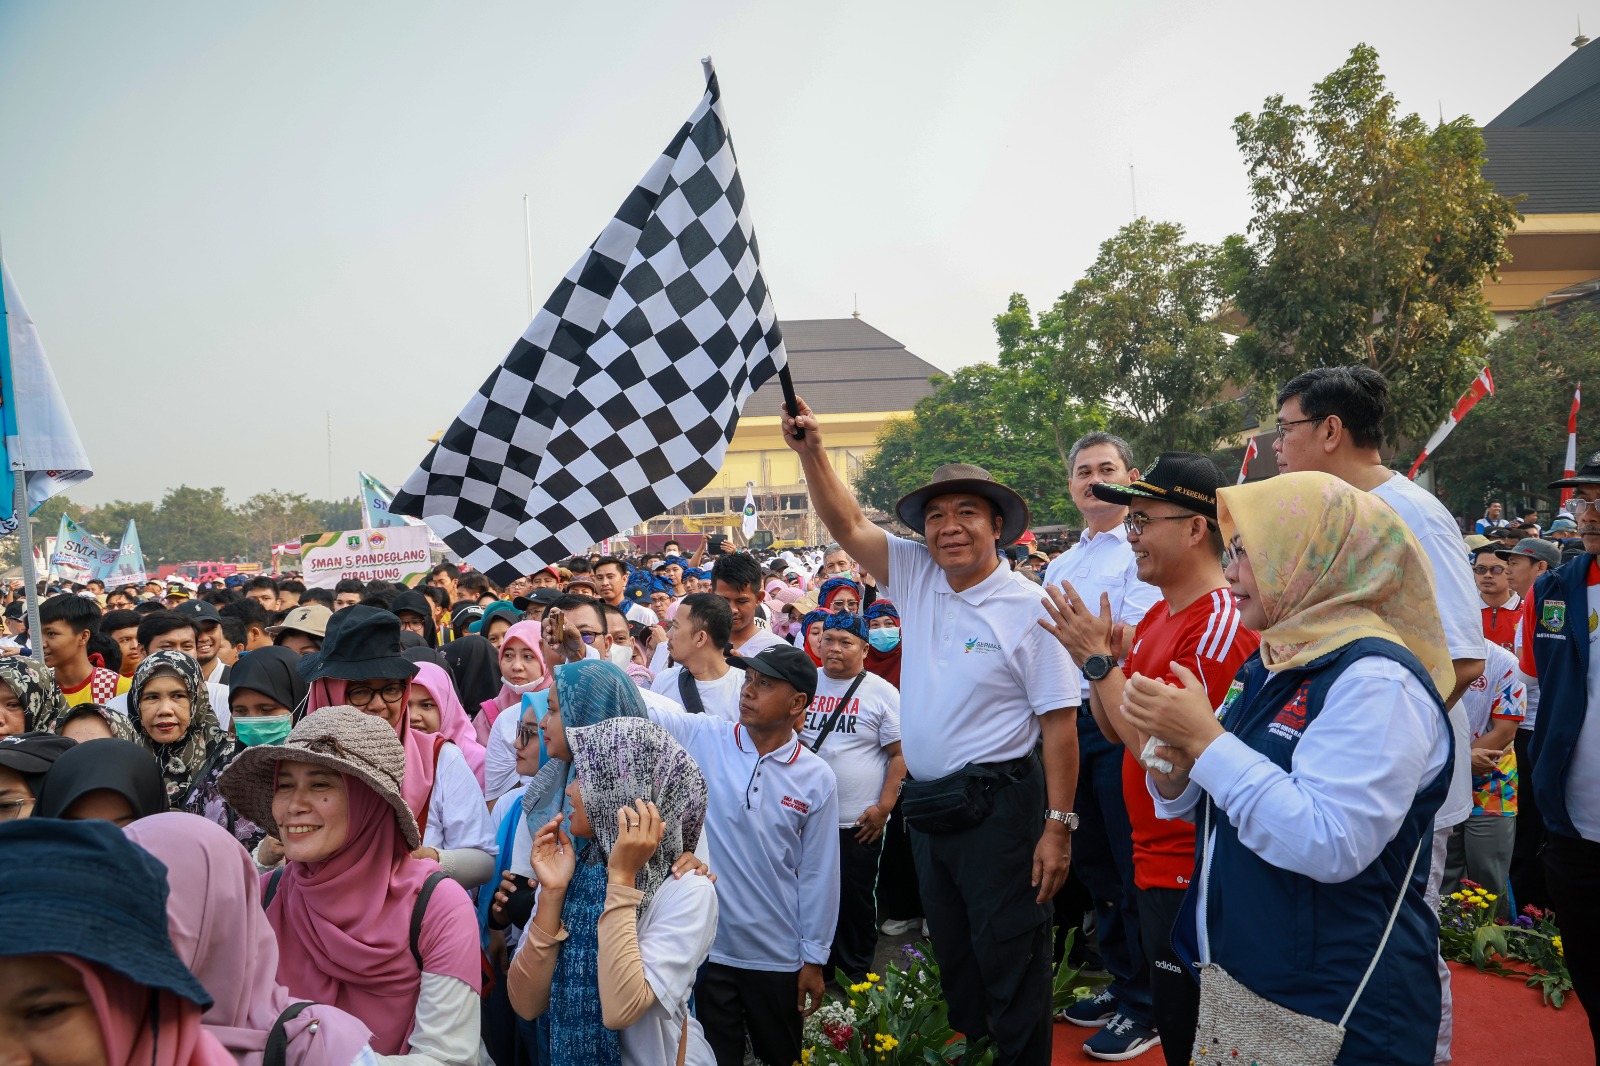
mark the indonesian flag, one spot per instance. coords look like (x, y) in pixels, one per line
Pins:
(1572, 443)
(1482, 385)
(1249, 457)
(290, 548)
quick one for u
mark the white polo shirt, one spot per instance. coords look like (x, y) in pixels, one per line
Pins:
(1104, 563)
(762, 640)
(855, 746)
(976, 667)
(719, 697)
(774, 821)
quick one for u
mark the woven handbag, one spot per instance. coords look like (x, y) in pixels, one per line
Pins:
(1239, 1026)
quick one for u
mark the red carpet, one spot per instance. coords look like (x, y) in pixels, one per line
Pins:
(1498, 1020)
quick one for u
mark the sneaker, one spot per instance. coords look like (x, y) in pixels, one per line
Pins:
(1122, 1038)
(1091, 1013)
(900, 926)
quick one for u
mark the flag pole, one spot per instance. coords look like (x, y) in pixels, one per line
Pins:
(789, 401)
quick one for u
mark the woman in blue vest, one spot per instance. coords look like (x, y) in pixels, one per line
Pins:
(1316, 783)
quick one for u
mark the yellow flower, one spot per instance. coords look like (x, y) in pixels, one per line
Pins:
(1490, 896)
(1555, 941)
(884, 1042)
(873, 978)
(862, 987)
(1457, 895)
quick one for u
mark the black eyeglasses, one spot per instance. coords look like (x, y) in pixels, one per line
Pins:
(526, 734)
(1297, 422)
(1135, 523)
(362, 695)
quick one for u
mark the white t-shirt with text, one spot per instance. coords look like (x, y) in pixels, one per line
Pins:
(855, 747)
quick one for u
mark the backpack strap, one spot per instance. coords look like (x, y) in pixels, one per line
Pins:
(838, 709)
(419, 909)
(272, 888)
(689, 692)
(276, 1052)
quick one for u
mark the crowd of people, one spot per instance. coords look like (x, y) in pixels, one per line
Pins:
(645, 809)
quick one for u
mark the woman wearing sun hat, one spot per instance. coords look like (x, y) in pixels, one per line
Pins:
(361, 665)
(123, 1000)
(350, 894)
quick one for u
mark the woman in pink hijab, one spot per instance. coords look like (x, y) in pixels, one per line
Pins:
(435, 708)
(345, 903)
(523, 672)
(220, 932)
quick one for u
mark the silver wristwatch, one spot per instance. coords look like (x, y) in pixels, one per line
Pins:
(1066, 818)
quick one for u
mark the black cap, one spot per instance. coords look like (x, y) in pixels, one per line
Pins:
(31, 754)
(784, 662)
(1587, 474)
(1191, 481)
(539, 597)
(198, 611)
(17, 610)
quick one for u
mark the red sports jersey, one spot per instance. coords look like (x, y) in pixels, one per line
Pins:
(1500, 623)
(1207, 637)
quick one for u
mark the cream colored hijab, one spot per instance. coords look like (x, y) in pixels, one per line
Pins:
(1334, 564)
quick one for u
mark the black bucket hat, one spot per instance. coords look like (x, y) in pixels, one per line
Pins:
(1191, 481)
(361, 642)
(63, 884)
(964, 477)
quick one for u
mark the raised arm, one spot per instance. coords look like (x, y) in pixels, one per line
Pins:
(838, 509)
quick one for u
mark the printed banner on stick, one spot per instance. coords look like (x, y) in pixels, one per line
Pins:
(397, 554)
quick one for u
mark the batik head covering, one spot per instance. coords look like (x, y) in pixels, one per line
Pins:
(43, 705)
(854, 624)
(833, 586)
(220, 932)
(811, 617)
(454, 725)
(587, 692)
(621, 760)
(121, 725)
(1333, 564)
(881, 607)
(203, 743)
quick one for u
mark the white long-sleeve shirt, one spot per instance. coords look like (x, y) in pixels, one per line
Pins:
(1378, 741)
(446, 1030)
(459, 827)
(774, 822)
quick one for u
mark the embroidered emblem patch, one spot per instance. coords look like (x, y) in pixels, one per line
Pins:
(1234, 691)
(1553, 615)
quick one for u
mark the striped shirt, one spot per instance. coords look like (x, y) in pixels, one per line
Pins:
(1208, 638)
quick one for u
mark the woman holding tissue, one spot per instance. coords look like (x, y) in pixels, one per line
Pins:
(1314, 785)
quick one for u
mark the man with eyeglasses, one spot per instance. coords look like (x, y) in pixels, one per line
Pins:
(1177, 548)
(1332, 419)
(1502, 607)
(1561, 631)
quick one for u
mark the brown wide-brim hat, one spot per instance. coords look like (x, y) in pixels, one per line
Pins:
(953, 478)
(362, 746)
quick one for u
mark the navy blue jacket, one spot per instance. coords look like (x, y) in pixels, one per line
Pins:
(1304, 943)
(1559, 608)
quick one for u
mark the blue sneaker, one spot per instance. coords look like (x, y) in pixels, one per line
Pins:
(1121, 1038)
(1091, 1013)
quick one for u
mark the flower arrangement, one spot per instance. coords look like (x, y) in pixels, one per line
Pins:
(1528, 946)
(898, 1018)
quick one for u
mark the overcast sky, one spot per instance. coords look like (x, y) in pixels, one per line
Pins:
(229, 220)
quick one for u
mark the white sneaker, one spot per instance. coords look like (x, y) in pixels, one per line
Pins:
(899, 926)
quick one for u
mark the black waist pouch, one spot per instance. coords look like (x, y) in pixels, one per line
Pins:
(954, 802)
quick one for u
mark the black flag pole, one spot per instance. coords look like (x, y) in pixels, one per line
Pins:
(787, 381)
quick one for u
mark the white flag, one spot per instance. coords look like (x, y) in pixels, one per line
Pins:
(749, 511)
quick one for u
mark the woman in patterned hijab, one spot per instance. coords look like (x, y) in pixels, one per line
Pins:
(175, 723)
(37, 697)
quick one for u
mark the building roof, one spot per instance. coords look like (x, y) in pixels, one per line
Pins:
(844, 365)
(1546, 145)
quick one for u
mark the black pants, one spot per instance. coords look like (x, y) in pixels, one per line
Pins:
(1572, 872)
(731, 1002)
(899, 898)
(855, 938)
(1174, 995)
(992, 940)
(1527, 871)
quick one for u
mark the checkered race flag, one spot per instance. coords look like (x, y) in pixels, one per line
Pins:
(620, 398)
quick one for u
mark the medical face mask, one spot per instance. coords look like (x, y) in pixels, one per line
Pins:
(621, 656)
(271, 729)
(886, 639)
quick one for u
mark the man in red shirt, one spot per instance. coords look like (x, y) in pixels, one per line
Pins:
(1172, 529)
(1502, 607)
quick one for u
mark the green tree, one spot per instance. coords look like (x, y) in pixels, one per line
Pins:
(1137, 338)
(1514, 443)
(334, 515)
(275, 517)
(1371, 237)
(965, 420)
(195, 524)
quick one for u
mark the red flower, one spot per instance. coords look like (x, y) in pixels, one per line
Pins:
(838, 1035)
(1533, 912)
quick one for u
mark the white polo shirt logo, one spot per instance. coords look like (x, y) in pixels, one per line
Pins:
(981, 647)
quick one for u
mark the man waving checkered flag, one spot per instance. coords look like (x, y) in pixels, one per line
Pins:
(620, 398)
